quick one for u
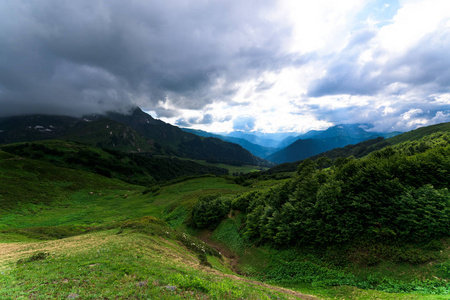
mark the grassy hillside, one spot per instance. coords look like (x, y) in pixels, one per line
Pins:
(136, 259)
(133, 168)
(72, 232)
(31, 184)
(67, 232)
(357, 223)
(419, 133)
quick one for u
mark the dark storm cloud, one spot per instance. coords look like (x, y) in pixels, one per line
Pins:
(425, 66)
(166, 113)
(86, 56)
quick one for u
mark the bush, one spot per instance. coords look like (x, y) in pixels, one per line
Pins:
(209, 211)
(242, 202)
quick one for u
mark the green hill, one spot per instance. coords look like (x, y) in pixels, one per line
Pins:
(67, 233)
(351, 223)
(129, 167)
(376, 227)
(419, 133)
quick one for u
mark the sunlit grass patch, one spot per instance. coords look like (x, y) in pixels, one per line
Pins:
(108, 264)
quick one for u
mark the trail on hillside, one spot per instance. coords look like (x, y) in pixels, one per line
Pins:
(233, 261)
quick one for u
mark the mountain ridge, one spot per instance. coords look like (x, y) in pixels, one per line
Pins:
(297, 147)
(255, 149)
(366, 147)
(139, 132)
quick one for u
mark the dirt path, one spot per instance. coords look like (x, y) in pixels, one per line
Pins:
(205, 236)
(276, 288)
(233, 260)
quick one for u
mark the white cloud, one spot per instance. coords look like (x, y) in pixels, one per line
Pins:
(320, 25)
(414, 20)
(411, 113)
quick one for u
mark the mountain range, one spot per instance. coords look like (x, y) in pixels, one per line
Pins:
(290, 146)
(138, 132)
(135, 132)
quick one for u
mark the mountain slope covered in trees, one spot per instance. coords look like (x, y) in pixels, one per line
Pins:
(129, 167)
(302, 149)
(131, 132)
(255, 149)
(388, 208)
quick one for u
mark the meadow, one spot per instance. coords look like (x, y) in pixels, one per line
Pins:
(68, 232)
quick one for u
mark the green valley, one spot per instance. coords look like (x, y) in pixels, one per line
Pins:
(78, 221)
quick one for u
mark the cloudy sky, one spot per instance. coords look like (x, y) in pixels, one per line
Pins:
(222, 65)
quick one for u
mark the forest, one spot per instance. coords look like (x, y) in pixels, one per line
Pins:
(399, 193)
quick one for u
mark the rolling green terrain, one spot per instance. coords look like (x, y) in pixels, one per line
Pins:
(82, 222)
(130, 167)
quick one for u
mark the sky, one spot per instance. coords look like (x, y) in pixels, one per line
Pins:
(224, 65)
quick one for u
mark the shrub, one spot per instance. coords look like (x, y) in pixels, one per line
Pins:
(209, 211)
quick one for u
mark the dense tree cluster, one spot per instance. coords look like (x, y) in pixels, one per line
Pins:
(397, 193)
(394, 193)
(209, 211)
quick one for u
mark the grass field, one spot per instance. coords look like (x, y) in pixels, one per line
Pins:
(128, 265)
(66, 232)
